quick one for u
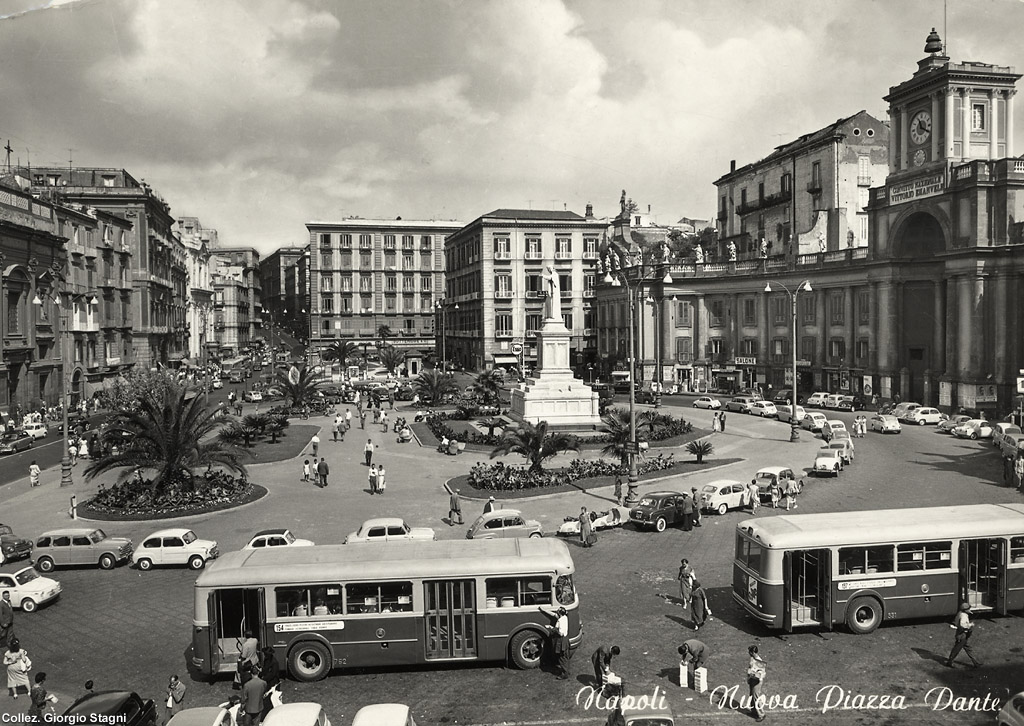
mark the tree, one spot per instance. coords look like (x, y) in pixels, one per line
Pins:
(488, 386)
(616, 428)
(434, 385)
(492, 423)
(384, 332)
(170, 434)
(341, 352)
(133, 385)
(535, 443)
(392, 358)
(275, 427)
(700, 448)
(258, 422)
(301, 389)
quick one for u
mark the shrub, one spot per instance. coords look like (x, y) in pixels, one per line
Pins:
(503, 477)
(136, 496)
(441, 430)
(700, 448)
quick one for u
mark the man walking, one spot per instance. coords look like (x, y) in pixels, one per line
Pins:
(454, 507)
(362, 419)
(252, 700)
(323, 470)
(334, 429)
(368, 451)
(757, 670)
(964, 628)
(348, 418)
(687, 513)
(384, 421)
(6, 619)
(721, 421)
(315, 443)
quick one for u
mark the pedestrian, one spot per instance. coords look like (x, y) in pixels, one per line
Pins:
(754, 495)
(391, 401)
(791, 492)
(381, 479)
(757, 670)
(334, 429)
(305, 470)
(248, 653)
(559, 636)
(371, 478)
(693, 651)
(323, 470)
(368, 451)
(40, 698)
(698, 506)
(618, 490)
(18, 666)
(964, 628)
(252, 700)
(775, 493)
(175, 696)
(454, 507)
(687, 513)
(376, 415)
(384, 421)
(699, 606)
(6, 619)
(348, 418)
(362, 419)
(587, 536)
(270, 672)
(315, 443)
(73, 452)
(602, 660)
(686, 579)
(716, 422)
(721, 421)
(489, 505)
(33, 474)
(316, 472)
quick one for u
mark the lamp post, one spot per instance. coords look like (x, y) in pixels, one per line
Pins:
(61, 288)
(633, 288)
(794, 427)
(441, 309)
(590, 372)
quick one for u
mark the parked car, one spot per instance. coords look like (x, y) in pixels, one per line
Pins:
(202, 716)
(900, 410)
(389, 529)
(844, 447)
(830, 427)
(722, 495)
(175, 547)
(1012, 712)
(827, 462)
(787, 415)
(384, 714)
(121, 707)
(707, 402)
(951, 423)
(740, 404)
(217, 384)
(764, 409)
(832, 400)
(640, 712)
(923, 415)
(15, 441)
(13, 547)
(81, 546)
(850, 403)
(1001, 430)
(975, 428)
(252, 396)
(307, 714)
(503, 524)
(816, 399)
(813, 421)
(276, 538)
(768, 475)
(785, 396)
(756, 395)
(1010, 445)
(28, 588)
(657, 510)
(884, 423)
(36, 430)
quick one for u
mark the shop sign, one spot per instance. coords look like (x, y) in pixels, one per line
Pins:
(740, 361)
(801, 363)
(927, 186)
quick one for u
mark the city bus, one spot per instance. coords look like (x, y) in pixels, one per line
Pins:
(862, 568)
(399, 603)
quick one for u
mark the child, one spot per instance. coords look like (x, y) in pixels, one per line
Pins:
(305, 470)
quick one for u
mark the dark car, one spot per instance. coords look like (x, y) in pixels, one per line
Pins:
(15, 441)
(13, 547)
(786, 398)
(657, 510)
(333, 394)
(646, 395)
(129, 708)
(850, 403)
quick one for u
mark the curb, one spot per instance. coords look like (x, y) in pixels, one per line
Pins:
(266, 494)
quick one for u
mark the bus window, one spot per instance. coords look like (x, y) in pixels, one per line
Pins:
(518, 591)
(1017, 550)
(863, 560)
(748, 552)
(924, 556)
(299, 602)
(564, 590)
(379, 597)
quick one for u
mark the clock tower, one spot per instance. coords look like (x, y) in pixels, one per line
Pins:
(950, 113)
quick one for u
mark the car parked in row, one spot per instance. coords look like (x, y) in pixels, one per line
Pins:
(740, 404)
(786, 413)
(845, 448)
(827, 462)
(764, 409)
(924, 415)
(813, 421)
(722, 495)
(503, 524)
(276, 538)
(80, 546)
(830, 427)
(884, 424)
(768, 475)
(390, 529)
(252, 396)
(657, 510)
(900, 410)
(850, 403)
(816, 399)
(13, 547)
(14, 441)
(1002, 430)
(974, 428)
(175, 547)
(28, 588)
(707, 402)
(947, 426)
(1011, 445)
(785, 396)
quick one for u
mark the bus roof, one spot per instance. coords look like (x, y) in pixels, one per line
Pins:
(390, 560)
(831, 529)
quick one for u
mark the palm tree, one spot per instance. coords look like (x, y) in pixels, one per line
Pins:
(535, 443)
(492, 423)
(341, 352)
(616, 427)
(434, 385)
(392, 358)
(299, 390)
(257, 422)
(276, 427)
(488, 386)
(384, 332)
(172, 435)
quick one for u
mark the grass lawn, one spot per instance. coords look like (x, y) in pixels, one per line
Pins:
(288, 446)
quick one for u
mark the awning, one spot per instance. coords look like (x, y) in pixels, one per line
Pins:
(501, 360)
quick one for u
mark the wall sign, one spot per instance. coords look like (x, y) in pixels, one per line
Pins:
(927, 186)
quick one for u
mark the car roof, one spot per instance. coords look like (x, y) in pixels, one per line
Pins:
(885, 416)
(773, 469)
(393, 521)
(169, 532)
(70, 531)
(508, 512)
(295, 714)
(15, 573)
(816, 414)
(825, 451)
(270, 531)
(202, 716)
(660, 494)
(102, 702)
(724, 482)
(382, 714)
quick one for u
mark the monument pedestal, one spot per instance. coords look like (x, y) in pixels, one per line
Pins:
(553, 394)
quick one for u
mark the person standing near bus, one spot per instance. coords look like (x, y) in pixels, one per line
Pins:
(964, 628)
(757, 670)
(559, 638)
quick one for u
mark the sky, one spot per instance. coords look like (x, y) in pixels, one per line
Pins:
(257, 116)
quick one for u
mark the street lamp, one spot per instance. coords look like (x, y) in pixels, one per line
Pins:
(633, 288)
(794, 427)
(65, 461)
(441, 311)
(590, 372)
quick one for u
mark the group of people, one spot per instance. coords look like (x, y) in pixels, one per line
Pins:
(19, 666)
(860, 426)
(317, 471)
(718, 421)
(377, 479)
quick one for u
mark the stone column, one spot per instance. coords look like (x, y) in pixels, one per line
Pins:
(821, 327)
(873, 360)
(952, 326)
(700, 328)
(965, 123)
(904, 132)
(948, 125)
(998, 311)
(1009, 122)
(969, 355)
(993, 124)
(886, 316)
(894, 114)
(849, 326)
(935, 125)
(737, 324)
(938, 357)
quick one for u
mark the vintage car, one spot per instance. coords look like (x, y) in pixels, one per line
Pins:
(36, 430)
(974, 428)
(503, 524)
(722, 495)
(1001, 431)
(951, 423)
(28, 588)
(740, 404)
(884, 423)
(816, 400)
(764, 409)
(389, 529)
(831, 427)
(813, 421)
(768, 475)
(383, 714)
(827, 462)
(202, 716)
(252, 396)
(80, 546)
(15, 441)
(174, 547)
(708, 402)
(845, 448)
(276, 538)
(924, 415)
(787, 415)
(13, 547)
(121, 707)
(657, 510)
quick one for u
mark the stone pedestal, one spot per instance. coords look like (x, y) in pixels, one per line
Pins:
(553, 394)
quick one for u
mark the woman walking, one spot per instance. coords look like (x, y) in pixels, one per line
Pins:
(686, 579)
(18, 666)
(33, 474)
(716, 423)
(587, 536)
(381, 480)
(40, 698)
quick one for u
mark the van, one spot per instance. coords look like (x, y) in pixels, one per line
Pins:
(740, 404)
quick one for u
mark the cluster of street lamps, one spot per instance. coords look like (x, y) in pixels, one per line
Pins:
(805, 286)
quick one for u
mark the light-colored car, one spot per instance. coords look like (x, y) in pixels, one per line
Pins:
(740, 404)
(884, 424)
(175, 547)
(924, 415)
(816, 399)
(1011, 444)
(80, 546)
(827, 462)
(768, 475)
(503, 524)
(203, 716)
(844, 447)
(832, 400)
(901, 410)
(1012, 712)
(276, 538)
(252, 396)
(707, 402)
(389, 529)
(787, 415)
(217, 384)
(975, 428)
(947, 426)
(383, 714)
(1003, 429)
(831, 426)
(36, 430)
(813, 421)
(302, 714)
(28, 588)
(722, 495)
(764, 409)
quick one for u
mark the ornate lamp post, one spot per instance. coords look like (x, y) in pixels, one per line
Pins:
(60, 287)
(794, 426)
(633, 288)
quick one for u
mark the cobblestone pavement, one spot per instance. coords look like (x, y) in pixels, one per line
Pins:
(127, 628)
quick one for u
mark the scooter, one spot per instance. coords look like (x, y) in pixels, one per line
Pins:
(614, 517)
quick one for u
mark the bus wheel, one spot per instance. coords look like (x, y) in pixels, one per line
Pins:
(309, 662)
(526, 648)
(864, 615)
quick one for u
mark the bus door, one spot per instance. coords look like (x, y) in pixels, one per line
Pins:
(983, 574)
(231, 613)
(450, 619)
(807, 588)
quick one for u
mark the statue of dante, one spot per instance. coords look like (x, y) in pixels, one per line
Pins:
(553, 305)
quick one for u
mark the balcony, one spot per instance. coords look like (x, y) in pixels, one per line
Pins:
(863, 181)
(75, 248)
(765, 202)
(589, 293)
(536, 294)
(563, 254)
(565, 294)
(722, 215)
(503, 294)
(502, 255)
(814, 186)
(531, 333)
(590, 254)
(532, 256)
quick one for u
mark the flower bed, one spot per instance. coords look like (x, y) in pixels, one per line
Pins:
(134, 499)
(440, 429)
(503, 477)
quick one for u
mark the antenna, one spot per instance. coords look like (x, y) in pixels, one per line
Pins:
(945, 32)
(70, 161)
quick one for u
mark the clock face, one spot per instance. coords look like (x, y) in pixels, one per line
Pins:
(920, 127)
(919, 157)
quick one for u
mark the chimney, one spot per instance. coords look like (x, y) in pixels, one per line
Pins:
(732, 166)
(648, 208)
(590, 211)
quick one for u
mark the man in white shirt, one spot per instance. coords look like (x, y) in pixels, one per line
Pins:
(559, 638)
(964, 628)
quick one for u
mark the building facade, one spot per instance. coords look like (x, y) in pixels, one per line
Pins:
(369, 273)
(495, 290)
(230, 266)
(198, 242)
(282, 279)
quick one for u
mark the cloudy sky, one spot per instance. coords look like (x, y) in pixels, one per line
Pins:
(259, 115)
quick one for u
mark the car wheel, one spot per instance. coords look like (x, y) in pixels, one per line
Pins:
(864, 615)
(309, 662)
(536, 535)
(527, 649)
(29, 605)
(921, 422)
(145, 564)
(660, 524)
(107, 562)
(195, 562)
(974, 436)
(44, 564)
(723, 508)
